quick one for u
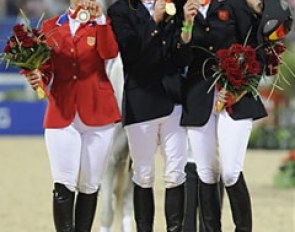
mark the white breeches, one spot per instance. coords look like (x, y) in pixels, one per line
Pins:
(78, 154)
(143, 140)
(219, 147)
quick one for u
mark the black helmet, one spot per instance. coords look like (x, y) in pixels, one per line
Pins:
(276, 20)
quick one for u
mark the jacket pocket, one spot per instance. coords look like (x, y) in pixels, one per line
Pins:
(105, 85)
(173, 85)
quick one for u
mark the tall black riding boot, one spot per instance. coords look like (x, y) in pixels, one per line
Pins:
(191, 199)
(85, 211)
(240, 205)
(174, 208)
(209, 200)
(144, 208)
(63, 202)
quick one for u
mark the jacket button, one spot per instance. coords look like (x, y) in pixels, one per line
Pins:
(164, 42)
(207, 29)
(75, 77)
(74, 64)
(210, 48)
(72, 50)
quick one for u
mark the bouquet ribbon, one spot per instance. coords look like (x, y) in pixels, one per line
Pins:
(227, 99)
(40, 91)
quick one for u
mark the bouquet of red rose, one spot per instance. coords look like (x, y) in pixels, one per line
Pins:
(237, 73)
(27, 49)
(274, 52)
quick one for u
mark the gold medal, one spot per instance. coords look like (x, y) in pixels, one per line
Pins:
(83, 16)
(170, 8)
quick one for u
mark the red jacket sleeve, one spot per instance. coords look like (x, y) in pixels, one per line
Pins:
(106, 42)
(46, 68)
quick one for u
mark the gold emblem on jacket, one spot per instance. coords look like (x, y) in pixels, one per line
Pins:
(91, 41)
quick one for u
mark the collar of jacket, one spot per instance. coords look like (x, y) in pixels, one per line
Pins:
(62, 19)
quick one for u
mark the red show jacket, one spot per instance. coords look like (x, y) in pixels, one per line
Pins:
(76, 79)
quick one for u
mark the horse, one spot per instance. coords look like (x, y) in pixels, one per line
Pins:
(117, 186)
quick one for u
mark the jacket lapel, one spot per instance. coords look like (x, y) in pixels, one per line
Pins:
(142, 13)
(200, 19)
(59, 35)
(63, 30)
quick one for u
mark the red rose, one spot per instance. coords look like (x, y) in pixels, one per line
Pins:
(253, 67)
(280, 48)
(236, 48)
(7, 49)
(250, 53)
(222, 54)
(236, 79)
(27, 42)
(224, 65)
(233, 64)
(21, 35)
(273, 59)
(237, 83)
(235, 73)
(18, 27)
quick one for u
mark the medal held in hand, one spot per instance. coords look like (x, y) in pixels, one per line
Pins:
(170, 8)
(81, 14)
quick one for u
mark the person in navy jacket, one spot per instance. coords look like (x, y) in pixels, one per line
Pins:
(219, 139)
(154, 51)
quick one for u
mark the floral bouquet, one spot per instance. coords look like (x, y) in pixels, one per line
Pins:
(274, 57)
(275, 24)
(236, 73)
(27, 49)
(285, 178)
(274, 51)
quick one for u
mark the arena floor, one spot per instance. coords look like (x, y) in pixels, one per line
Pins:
(25, 192)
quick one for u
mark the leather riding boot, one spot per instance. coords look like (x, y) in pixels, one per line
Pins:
(174, 208)
(144, 208)
(191, 199)
(85, 211)
(240, 205)
(63, 202)
(209, 199)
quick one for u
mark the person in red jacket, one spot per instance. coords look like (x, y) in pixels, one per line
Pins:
(81, 111)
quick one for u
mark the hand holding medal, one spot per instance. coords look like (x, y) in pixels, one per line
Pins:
(190, 10)
(87, 10)
(160, 10)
